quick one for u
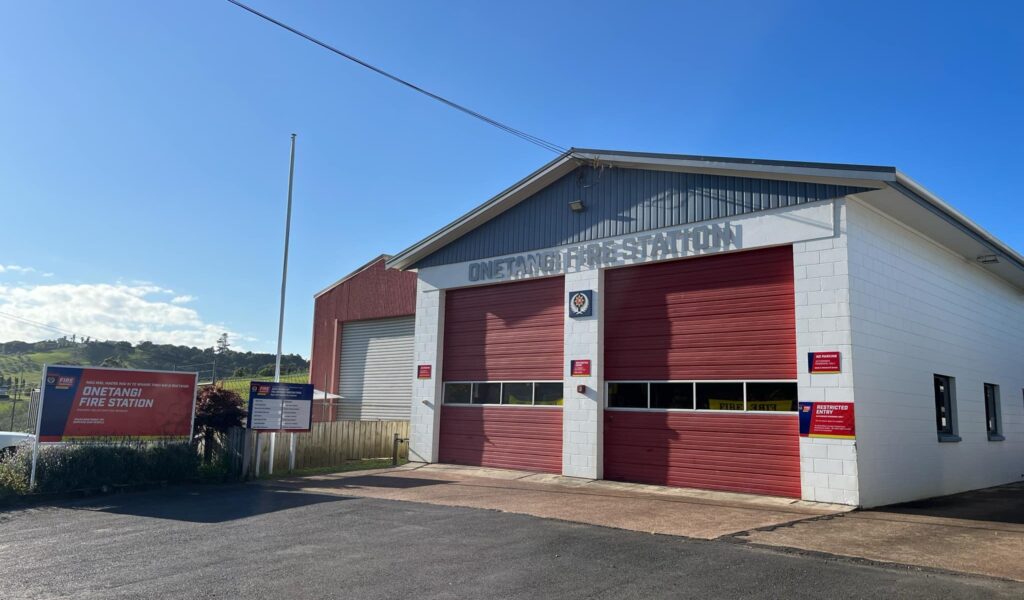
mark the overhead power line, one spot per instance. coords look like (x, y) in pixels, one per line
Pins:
(550, 146)
(36, 323)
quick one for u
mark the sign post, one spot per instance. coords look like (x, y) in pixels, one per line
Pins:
(276, 407)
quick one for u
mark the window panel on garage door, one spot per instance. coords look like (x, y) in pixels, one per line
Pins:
(500, 341)
(727, 324)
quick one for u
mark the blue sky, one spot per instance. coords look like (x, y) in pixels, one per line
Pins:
(144, 145)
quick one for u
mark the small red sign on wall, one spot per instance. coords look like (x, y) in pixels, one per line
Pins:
(580, 367)
(824, 362)
(424, 371)
(827, 420)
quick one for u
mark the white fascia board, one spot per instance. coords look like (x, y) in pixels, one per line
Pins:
(873, 177)
(998, 247)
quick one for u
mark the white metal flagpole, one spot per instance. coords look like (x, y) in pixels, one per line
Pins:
(280, 320)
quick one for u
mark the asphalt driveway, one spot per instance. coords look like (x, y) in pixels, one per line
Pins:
(258, 542)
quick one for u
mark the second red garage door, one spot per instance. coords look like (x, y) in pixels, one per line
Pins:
(700, 364)
(502, 373)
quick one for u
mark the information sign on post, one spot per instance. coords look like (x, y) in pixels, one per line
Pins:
(280, 406)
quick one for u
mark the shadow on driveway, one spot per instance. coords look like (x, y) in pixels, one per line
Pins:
(206, 504)
(1003, 504)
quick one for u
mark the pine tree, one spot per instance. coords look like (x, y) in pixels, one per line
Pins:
(223, 345)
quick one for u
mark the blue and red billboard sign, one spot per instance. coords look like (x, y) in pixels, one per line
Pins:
(90, 402)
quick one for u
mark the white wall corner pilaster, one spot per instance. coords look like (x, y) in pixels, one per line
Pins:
(425, 415)
(583, 414)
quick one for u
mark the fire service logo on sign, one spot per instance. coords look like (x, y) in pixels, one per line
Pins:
(581, 303)
(61, 382)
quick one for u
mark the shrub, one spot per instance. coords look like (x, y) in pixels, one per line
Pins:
(217, 411)
(72, 467)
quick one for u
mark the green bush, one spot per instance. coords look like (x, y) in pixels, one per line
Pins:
(72, 467)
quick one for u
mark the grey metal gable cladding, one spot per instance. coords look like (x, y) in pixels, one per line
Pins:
(623, 201)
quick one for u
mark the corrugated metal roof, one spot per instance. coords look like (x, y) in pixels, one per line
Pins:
(621, 201)
(897, 196)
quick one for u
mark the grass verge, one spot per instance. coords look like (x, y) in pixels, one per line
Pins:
(352, 465)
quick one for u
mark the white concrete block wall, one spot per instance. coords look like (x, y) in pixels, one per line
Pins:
(919, 309)
(425, 416)
(828, 467)
(582, 414)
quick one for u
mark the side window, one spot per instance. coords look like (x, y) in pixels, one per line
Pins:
(993, 420)
(945, 408)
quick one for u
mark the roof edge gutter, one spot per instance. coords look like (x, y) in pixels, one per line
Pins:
(916, 192)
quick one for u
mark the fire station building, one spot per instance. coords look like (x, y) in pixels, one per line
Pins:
(827, 332)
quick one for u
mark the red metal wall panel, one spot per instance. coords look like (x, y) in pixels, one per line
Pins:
(502, 437)
(729, 316)
(505, 332)
(750, 453)
(373, 292)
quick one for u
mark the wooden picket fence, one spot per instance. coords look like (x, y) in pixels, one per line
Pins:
(330, 443)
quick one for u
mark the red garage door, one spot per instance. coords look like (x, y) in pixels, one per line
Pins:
(502, 372)
(700, 360)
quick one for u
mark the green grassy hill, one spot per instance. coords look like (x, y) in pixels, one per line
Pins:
(24, 360)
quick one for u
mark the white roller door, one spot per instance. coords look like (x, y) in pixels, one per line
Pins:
(376, 369)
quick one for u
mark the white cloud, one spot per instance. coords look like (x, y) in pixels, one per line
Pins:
(16, 269)
(183, 299)
(105, 311)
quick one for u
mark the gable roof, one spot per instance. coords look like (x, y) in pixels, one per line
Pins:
(897, 195)
(379, 258)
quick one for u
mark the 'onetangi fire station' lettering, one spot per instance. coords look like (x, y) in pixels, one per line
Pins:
(664, 244)
(114, 397)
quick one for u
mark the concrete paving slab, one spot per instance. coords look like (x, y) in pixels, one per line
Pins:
(689, 513)
(979, 532)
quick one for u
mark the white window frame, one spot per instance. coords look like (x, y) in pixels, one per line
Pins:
(648, 382)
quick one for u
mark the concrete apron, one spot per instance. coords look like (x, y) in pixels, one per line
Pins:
(991, 548)
(654, 509)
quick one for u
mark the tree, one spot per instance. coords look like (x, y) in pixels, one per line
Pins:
(241, 372)
(114, 362)
(217, 410)
(267, 371)
(223, 345)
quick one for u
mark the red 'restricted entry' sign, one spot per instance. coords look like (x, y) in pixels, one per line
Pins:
(89, 402)
(824, 362)
(580, 367)
(827, 420)
(424, 371)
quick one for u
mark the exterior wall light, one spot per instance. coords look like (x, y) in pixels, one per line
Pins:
(576, 206)
(988, 259)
